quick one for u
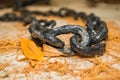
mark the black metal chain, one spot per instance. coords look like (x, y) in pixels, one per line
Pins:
(86, 42)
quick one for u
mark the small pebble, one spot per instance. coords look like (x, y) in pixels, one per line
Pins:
(116, 66)
(2, 73)
(106, 58)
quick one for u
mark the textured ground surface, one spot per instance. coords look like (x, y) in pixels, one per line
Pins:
(56, 67)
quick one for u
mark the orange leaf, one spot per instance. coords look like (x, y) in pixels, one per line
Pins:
(30, 50)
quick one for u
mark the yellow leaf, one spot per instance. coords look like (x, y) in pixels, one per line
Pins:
(30, 50)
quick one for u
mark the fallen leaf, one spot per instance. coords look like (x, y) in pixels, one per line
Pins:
(30, 50)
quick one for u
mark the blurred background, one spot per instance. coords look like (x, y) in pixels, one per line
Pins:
(90, 3)
(107, 9)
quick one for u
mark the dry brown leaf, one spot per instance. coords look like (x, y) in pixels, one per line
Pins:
(51, 51)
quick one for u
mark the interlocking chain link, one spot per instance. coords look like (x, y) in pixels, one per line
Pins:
(86, 42)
